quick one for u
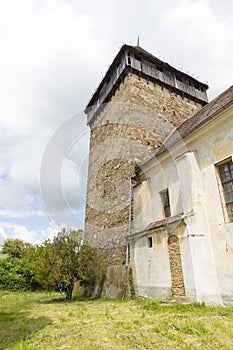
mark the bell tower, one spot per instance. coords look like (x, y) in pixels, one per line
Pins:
(140, 100)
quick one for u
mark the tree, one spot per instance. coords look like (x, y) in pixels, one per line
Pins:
(16, 248)
(92, 268)
(16, 272)
(66, 260)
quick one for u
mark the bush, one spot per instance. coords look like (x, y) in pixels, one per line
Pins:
(66, 260)
(92, 268)
(15, 274)
(16, 248)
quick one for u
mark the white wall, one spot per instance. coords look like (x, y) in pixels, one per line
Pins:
(206, 243)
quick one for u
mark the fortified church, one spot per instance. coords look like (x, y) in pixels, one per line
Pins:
(160, 182)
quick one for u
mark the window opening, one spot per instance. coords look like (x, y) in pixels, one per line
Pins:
(137, 58)
(129, 59)
(166, 203)
(226, 177)
(160, 69)
(150, 242)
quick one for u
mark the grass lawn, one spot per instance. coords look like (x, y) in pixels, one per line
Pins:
(46, 321)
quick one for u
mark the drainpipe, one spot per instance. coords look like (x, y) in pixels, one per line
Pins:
(129, 224)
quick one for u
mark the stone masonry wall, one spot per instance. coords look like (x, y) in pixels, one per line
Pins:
(127, 131)
(178, 289)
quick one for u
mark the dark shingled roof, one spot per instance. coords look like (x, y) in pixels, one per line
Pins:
(208, 112)
(151, 58)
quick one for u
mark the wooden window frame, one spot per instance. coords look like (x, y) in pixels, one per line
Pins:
(227, 205)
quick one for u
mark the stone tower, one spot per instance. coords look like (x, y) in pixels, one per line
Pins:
(137, 104)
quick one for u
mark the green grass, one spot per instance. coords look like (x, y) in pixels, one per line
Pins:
(37, 321)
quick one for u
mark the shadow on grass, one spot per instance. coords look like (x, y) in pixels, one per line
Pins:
(16, 326)
(62, 299)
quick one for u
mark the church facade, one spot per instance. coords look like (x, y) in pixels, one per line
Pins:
(182, 232)
(138, 104)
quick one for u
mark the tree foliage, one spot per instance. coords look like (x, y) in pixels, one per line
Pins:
(15, 266)
(14, 274)
(65, 260)
(16, 248)
(91, 266)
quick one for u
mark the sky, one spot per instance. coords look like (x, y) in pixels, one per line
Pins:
(53, 55)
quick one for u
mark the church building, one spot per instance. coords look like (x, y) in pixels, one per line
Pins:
(182, 231)
(137, 209)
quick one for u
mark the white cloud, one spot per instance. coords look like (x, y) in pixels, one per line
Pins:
(203, 41)
(53, 54)
(3, 236)
(33, 236)
(43, 52)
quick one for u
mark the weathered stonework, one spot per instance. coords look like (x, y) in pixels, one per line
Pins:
(115, 285)
(176, 267)
(136, 106)
(167, 103)
(127, 130)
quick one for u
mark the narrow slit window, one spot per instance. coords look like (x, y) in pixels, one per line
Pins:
(139, 62)
(150, 242)
(226, 177)
(138, 58)
(166, 203)
(160, 69)
(129, 59)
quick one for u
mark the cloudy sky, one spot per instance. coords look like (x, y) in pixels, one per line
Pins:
(53, 54)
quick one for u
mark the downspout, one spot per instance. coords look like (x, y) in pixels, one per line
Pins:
(129, 224)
